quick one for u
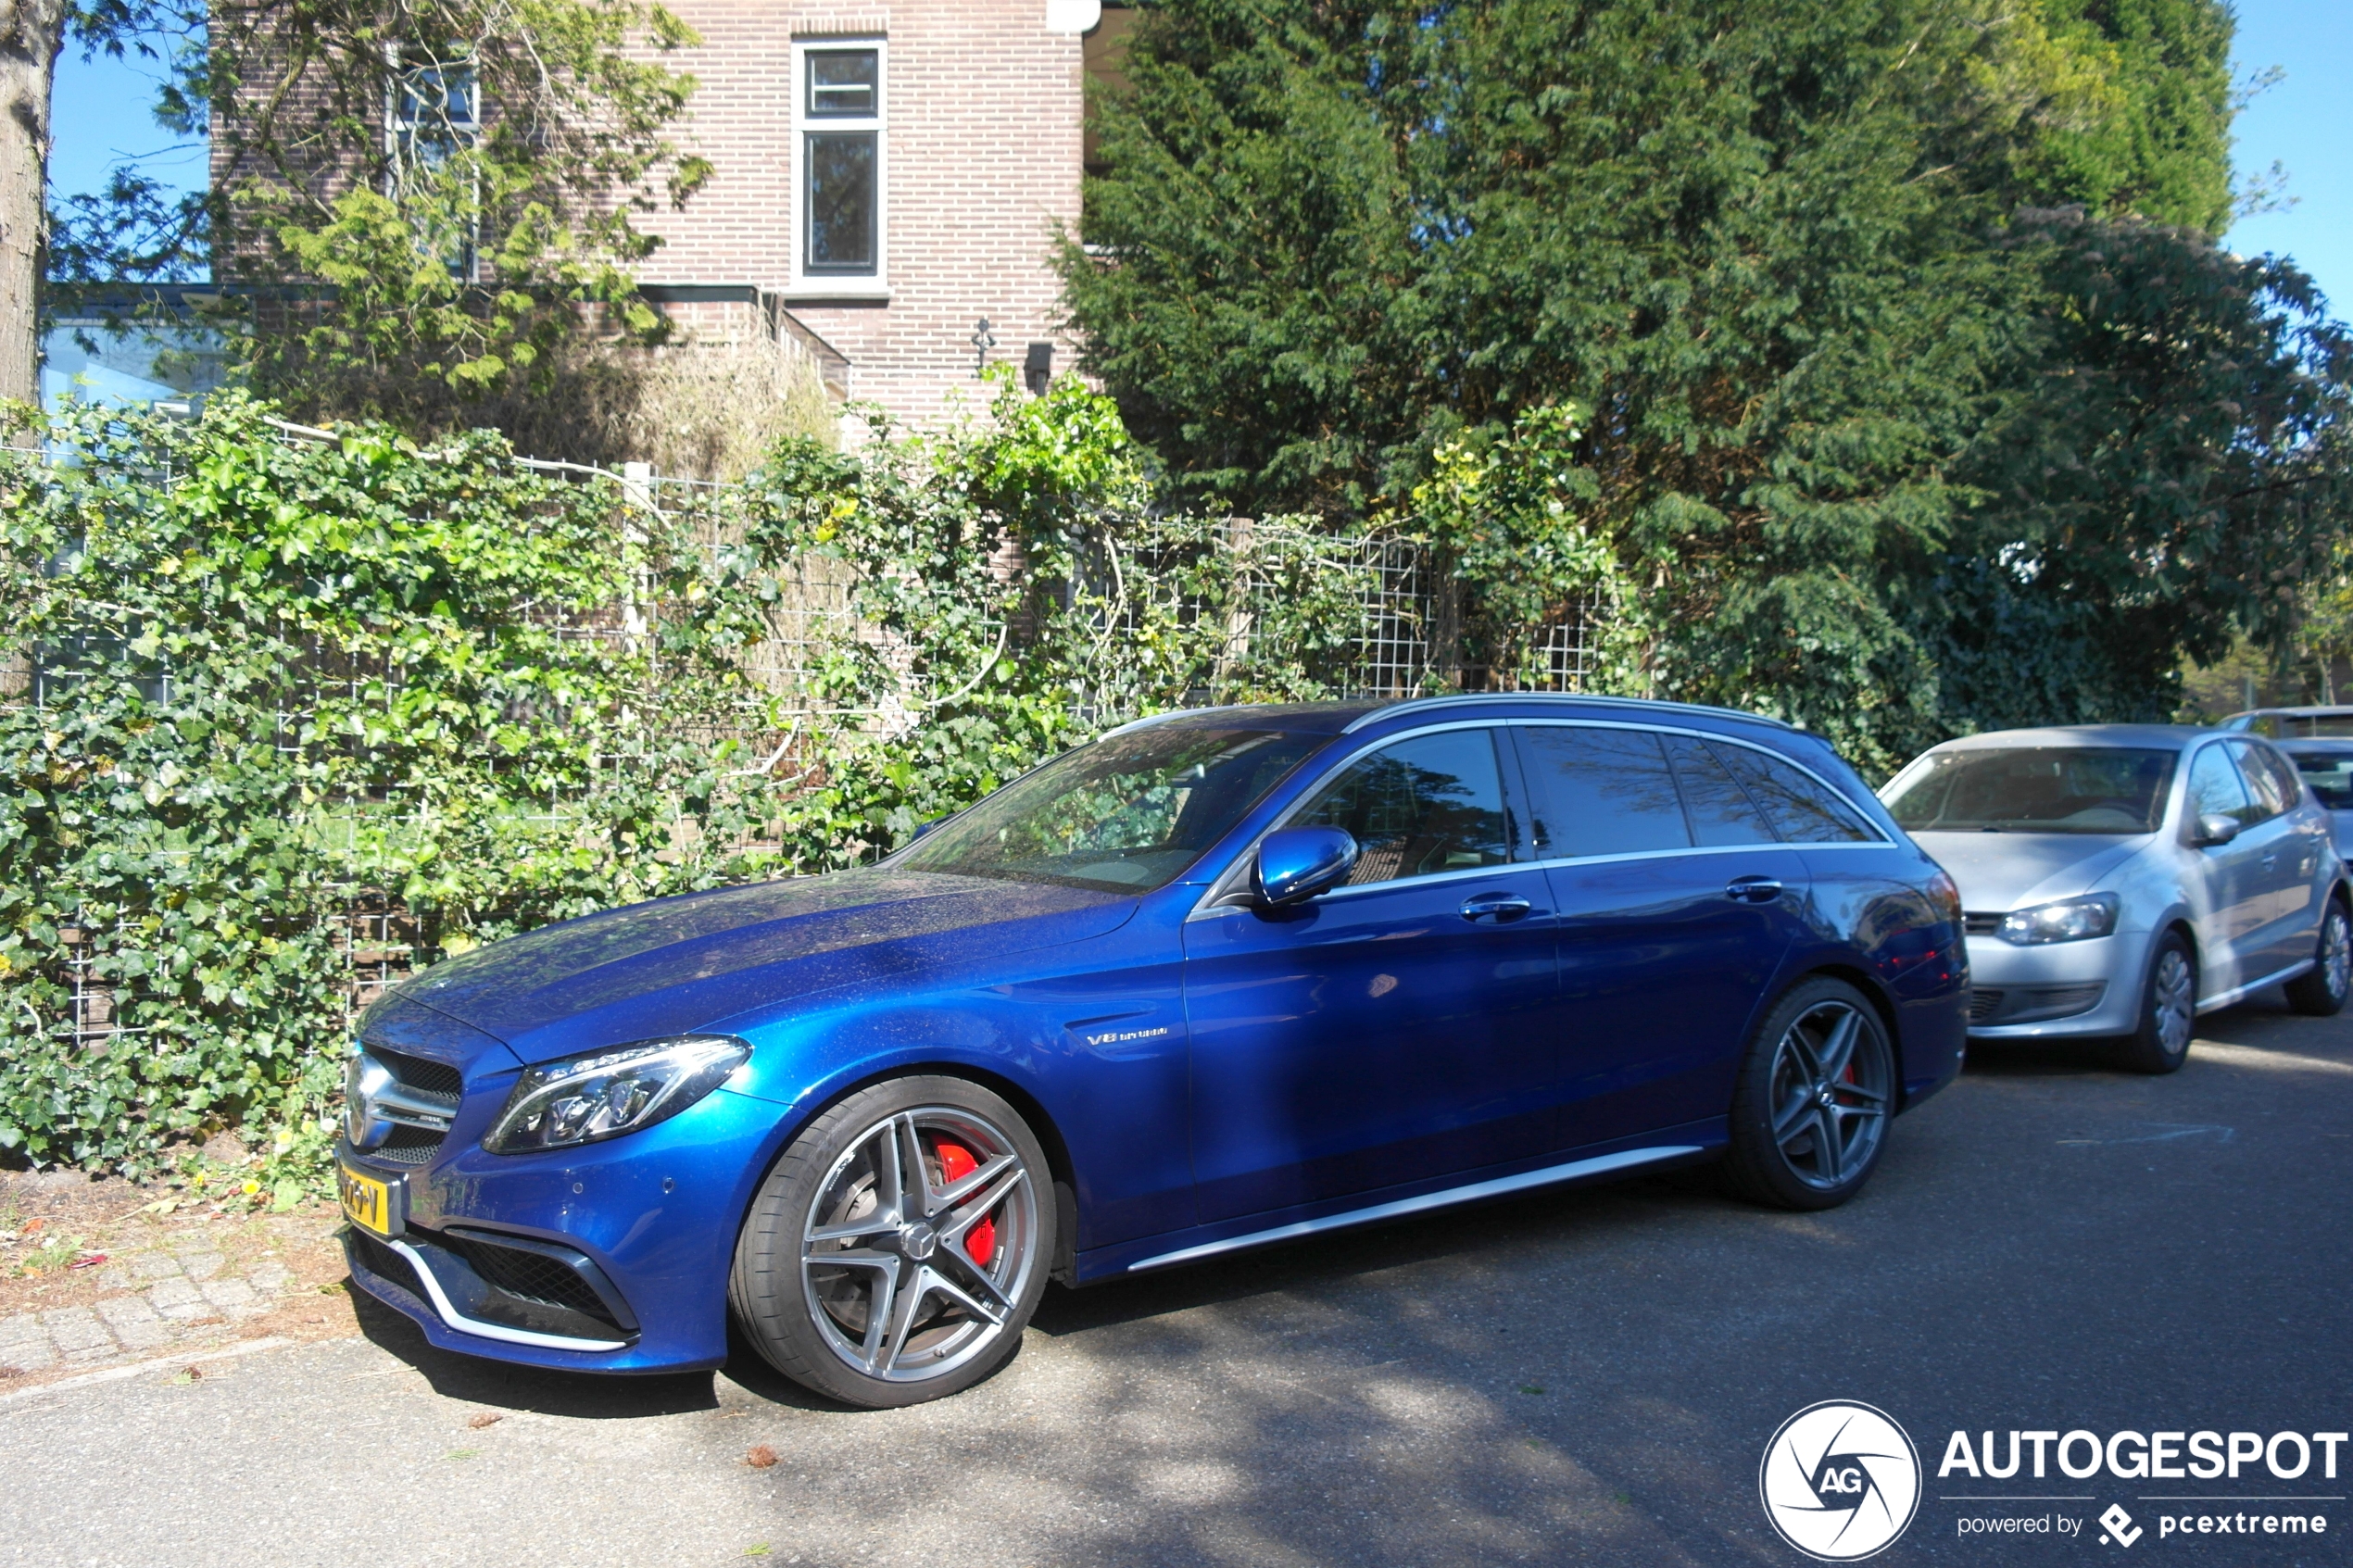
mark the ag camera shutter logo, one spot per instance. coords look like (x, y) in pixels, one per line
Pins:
(1840, 1481)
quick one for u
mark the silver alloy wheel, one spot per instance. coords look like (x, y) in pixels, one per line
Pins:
(2337, 950)
(1830, 1093)
(919, 1241)
(2173, 1000)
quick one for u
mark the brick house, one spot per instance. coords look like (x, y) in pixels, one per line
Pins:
(887, 180)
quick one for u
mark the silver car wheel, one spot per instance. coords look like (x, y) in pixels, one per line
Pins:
(2337, 950)
(2173, 1000)
(1831, 1092)
(921, 1240)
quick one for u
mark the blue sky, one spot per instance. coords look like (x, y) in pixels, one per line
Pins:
(104, 115)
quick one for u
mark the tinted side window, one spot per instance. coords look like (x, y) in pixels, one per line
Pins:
(1424, 806)
(1720, 810)
(2216, 790)
(1603, 792)
(1802, 808)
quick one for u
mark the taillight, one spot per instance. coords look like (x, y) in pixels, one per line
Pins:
(1946, 896)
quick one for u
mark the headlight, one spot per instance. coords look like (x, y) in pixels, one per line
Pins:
(589, 1099)
(2070, 920)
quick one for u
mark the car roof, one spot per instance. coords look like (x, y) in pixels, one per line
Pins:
(2154, 737)
(1347, 717)
(2317, 711)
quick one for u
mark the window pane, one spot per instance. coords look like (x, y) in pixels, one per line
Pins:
(2038, 789)
(2329, 776)
(1720, 809)
(1802, 810)
(844, 83)
(2261, 787)
(1421, 807)
(2215, 789)
(1128, 812)
(1605, 791)
(840, 196)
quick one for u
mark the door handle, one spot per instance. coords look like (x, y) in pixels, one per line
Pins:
(2271, 860)
(1753, 889)
(1500, 908)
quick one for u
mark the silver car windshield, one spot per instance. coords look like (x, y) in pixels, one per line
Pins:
(2327, 772)
(1126, 814)
(2037, 789)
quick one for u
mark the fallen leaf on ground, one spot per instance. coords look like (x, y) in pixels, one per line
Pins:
(188, 1374)
(486, 1419)
(758, 1548)
(464, 1453)
(88, 1260)
(11, 1372)
(760, 1457)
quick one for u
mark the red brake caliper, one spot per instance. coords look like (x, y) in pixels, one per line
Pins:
(956, 1162)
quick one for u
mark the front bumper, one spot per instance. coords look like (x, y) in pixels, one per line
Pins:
(609, 1258)
(2057, 990)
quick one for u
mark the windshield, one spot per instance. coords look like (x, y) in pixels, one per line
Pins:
(1127, 814)
(2328, 773)
(2036, 789)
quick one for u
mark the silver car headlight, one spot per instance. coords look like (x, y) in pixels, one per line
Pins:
(589, 1099)
(2070, 920)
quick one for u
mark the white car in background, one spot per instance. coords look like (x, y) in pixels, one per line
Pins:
(2117, 880)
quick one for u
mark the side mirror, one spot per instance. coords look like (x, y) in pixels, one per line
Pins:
(1294, 864)
(2214, 830)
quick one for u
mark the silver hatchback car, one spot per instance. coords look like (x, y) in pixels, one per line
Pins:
(2120, 879)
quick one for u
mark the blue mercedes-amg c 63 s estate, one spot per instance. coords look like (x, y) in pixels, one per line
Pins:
(1215, 980)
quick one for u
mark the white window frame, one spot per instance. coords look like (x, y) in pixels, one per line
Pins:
(835, 285)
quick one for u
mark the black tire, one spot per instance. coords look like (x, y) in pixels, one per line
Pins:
(2320, 991)
(1813, 1100)
(837, 1190)
(2168, 1009)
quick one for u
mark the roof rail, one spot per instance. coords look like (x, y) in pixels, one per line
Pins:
(1413, 705)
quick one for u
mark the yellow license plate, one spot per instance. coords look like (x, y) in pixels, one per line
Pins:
(366, 1203)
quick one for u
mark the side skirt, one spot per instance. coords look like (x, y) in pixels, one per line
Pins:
(1682, 1148)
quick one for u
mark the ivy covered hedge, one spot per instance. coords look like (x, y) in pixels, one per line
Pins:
(251, 683)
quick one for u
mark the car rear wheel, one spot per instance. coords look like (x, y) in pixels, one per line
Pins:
(2320, 991)
(1811, 1105)
(900, 1246)
(2168, 1009)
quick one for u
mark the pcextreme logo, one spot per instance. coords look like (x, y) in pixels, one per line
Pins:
(1841, 1480)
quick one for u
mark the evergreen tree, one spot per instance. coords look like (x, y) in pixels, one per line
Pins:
(1775, 251)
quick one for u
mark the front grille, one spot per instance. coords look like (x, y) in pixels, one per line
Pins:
(420, 1073)
(534, 1276)
(1980, 924)
(2034, 1004)
(436, 1080)
(409, 1145)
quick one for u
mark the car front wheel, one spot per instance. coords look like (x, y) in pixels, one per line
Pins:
(2168, 1009)
(1811, 1105)
(899, 1247)
(2320, 991)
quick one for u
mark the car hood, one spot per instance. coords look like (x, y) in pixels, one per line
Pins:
(681, 964)
(1999, 871)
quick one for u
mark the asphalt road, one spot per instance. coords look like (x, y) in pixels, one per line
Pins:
(1586, 1376)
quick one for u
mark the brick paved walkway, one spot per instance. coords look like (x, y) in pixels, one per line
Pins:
(175, 1295)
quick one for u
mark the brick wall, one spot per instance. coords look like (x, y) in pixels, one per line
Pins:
(982, 153)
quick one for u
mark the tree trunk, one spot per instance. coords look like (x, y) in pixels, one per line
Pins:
(31, 35)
